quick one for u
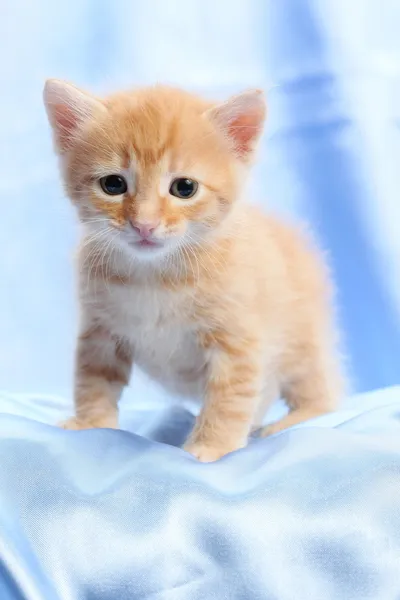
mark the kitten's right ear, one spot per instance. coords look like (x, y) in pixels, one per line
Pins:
(241, 120)
(68, 108)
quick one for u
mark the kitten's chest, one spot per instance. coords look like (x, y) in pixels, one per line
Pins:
(143, 311)
(164, 331)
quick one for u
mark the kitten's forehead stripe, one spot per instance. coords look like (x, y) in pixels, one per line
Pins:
(148, 156)
(126, 159)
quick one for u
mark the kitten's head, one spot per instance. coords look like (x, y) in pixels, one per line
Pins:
(154, 169)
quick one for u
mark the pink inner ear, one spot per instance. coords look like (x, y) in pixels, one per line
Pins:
(66, 120)
(243, 130)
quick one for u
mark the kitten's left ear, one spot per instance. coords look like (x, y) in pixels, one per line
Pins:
(68, 109)
(241, 120)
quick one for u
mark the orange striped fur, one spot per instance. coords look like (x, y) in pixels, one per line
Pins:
(225, 304)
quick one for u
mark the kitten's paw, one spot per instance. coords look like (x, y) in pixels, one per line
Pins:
(75, 424)
(206, 453)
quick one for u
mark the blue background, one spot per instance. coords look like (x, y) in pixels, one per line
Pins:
(330, 155)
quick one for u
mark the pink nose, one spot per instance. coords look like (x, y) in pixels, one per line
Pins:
(144, 229)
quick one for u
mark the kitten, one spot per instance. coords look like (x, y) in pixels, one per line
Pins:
(210, 297)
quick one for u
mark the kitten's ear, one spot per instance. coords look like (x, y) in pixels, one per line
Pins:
(241, 120)
(68, 108)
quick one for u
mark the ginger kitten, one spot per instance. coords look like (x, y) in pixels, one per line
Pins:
(209, 296)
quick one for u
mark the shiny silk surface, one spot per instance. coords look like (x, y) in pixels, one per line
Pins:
(310, 514)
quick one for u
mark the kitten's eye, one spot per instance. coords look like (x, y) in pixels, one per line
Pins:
(113, 185)
(183, 188)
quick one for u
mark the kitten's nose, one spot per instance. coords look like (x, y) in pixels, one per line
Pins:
(144, 229)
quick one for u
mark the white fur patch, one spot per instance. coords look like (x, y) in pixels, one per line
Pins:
(165, 342)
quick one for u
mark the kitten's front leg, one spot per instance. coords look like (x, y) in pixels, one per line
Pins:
(103, 367)
(232, 396)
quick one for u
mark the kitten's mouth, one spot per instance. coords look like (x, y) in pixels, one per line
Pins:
(148, 244)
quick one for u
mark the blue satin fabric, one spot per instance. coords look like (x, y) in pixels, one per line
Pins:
(308, 514)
